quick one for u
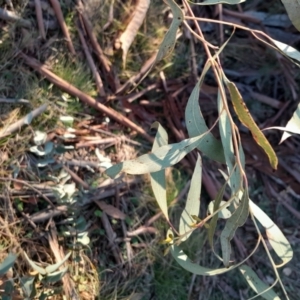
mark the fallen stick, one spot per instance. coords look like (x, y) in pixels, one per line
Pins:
(72, 90)
(91, 63)
(62, 23)
(39, 16)
(100, 55)
(26, 120)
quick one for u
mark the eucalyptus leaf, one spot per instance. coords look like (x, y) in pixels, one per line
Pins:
(196, 125)
(256, 284)
(276, 238)
(83, 238)
(293, 9)
(39, 137)
(52, 268)
(192, 205)
(7, 263)
(237, 219)
(159, 159)
(34, 266)
(55, 276)
(28, 287)
(158, 179)
(293, 124)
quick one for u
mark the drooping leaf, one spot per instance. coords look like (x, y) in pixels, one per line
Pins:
(214, 220)
(159, 159)
(7, 263)
(34, 266)
(256, 284)
(213, 2)
(27, 285)
(237, 219)
(192, 205)
(275, 236)
(168, 43)
(293, 124)
(52, 268)
(55, 276)
(293, 9)
(158, 179)
(226, 138)
(194, 120)
(247, 120)
(184, 261)
(196, 125)
(287, 50)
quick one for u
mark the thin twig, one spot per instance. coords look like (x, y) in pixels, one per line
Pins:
(91, 63)
(72, 90)
(62, 23)
(39, 16)
(26, 120)
(30, 186)
(105, 64)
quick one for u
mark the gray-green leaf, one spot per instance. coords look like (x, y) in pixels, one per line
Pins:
(158, 179)
(192, 205)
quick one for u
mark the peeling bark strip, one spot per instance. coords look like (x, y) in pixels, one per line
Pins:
(72, 90)
(133, 27)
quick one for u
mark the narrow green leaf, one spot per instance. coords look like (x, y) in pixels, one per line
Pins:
(196, 125)
(34, 266)
(256, 284)
(55, 276)
(194, 120)
(235, 179)
(53, 268)
(158, 179)
(214, 220)
(159, 159)
(246, 118)
(168, 43)
(213, 2)
(237, 219)
(7, 263)
(293, 9)
(27, 284)
(275, 236)
(192, 205)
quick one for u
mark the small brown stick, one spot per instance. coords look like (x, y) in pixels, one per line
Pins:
(30, 186)
(72, 90)
(101, 57)
(39, 16)
(91, 63)
(62, 23)
(110, 234)
(76, 178)
(26, 120)
(49, 213)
